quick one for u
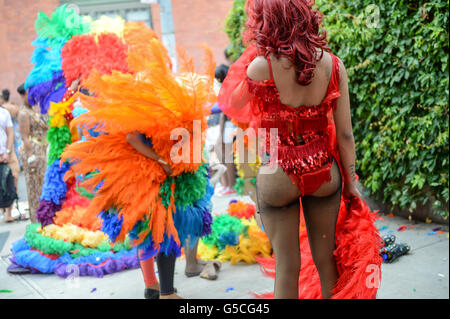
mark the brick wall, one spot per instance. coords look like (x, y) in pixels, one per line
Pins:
(16, 34)
(201, 21)
(195, 21)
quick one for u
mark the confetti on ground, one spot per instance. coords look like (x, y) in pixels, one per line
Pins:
(414, 289)
(431, 233)
(390, 215)
(390, 231)
(383, 228)
(5, 291)
(428, 220)
(229, 289)
(436, 229)
(402, 228)
(441, 275)
(440, 232)
(94, 289)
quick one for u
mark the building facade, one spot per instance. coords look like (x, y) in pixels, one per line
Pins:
(179, 23)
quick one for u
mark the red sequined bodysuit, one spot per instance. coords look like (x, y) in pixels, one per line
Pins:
(304, 133)
(303, 151)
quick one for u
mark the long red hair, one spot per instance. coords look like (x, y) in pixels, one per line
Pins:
(289, 28)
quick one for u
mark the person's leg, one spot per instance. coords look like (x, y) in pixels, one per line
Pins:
(278, 201)
(15, 171)
(8, 216)
(229, 164)
(218, 171)
(166, 272)
(220, 152)
(15, 168)
(224, 181)
(193, 266)
(231, 175)
(321, 211)
(151, 290)
(148, 272)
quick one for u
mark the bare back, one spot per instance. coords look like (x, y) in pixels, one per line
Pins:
(294, 95)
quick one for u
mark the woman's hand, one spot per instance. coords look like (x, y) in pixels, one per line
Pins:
(350, 190)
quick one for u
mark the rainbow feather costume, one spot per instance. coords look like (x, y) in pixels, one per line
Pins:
(70, 230)
(133, 195)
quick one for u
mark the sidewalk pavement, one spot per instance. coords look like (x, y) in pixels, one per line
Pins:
(421, 274)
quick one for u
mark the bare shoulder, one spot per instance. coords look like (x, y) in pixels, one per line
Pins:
(327, 63)
(258, 70)
(342, 70)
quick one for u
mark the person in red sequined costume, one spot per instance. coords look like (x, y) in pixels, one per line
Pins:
(288, 79)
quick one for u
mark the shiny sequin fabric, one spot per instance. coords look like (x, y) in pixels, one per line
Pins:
(303, 132)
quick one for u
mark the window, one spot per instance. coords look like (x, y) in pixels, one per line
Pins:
(129, 10)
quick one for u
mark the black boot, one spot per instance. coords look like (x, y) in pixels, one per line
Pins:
(151, 293)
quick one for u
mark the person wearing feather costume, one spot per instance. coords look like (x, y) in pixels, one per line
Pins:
(63, 238)
(142, 188)
(288, 80)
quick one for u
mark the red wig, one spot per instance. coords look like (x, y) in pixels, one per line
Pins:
(288, 28)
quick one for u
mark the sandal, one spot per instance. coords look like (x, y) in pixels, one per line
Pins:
(211, 269)
(12, 220)
(22, 218)
(192, 274)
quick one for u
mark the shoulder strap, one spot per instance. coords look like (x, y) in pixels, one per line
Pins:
(270, 68)
(334, 80)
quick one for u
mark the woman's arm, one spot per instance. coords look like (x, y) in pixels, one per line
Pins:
(134, 140)
(344, 135)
